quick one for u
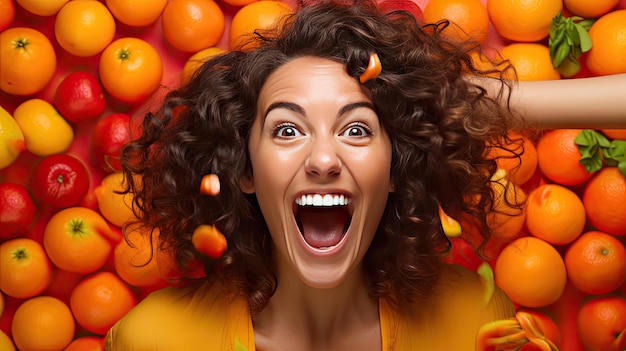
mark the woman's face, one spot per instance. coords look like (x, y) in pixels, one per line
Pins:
(321, 169)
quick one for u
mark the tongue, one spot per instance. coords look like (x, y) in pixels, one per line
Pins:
(322, 226)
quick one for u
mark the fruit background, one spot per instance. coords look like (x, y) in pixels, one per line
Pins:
(75, 74)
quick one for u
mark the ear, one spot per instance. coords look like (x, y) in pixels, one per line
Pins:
(246, 184)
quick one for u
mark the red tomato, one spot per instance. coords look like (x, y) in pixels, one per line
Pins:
(17, 210)
(109, 136)
(79, 97)
(60, 181)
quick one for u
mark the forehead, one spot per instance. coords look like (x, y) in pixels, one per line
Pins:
(311, 78)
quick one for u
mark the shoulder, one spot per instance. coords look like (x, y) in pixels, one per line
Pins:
(468, 291)
(462, 304)
(171, 316)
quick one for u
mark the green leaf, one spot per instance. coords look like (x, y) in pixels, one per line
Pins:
(622, 168)
(602, 140)
(584, 138)
(584, 38)
(596, 151)
(562, 52)
(568, 37)
(615, 152)
(589, 149)
(585, 23)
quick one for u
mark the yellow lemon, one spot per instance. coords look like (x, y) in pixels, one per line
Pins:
(115, 207)
(46, 132)
(5, 342)
(11, 139)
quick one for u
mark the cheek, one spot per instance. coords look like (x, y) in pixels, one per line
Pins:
(274, 167)
(374, 168)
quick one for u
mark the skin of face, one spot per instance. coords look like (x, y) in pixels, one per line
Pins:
(316, 132)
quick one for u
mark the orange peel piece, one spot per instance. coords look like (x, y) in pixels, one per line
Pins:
(486, 273)
(511, 334)
(210, 185)
(501, 334)
(533, 333)
(208, 240)
(451, 227)
(374, 67)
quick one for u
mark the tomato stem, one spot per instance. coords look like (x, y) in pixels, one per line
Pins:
(21, 43)
(123, 54)
(19, 253)
(77, 226)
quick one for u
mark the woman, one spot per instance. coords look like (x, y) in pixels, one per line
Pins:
(331, 177)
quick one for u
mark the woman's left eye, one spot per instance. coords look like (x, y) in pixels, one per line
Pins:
(357, 130)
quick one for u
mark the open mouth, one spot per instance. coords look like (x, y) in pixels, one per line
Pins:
(323, 219)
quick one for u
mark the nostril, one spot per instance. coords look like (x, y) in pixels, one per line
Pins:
(323, 164)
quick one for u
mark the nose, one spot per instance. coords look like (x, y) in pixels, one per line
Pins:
(323, 160)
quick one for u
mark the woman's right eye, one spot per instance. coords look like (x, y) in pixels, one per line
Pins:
(286, 130)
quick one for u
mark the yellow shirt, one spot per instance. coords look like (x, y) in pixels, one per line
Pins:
(204, 317)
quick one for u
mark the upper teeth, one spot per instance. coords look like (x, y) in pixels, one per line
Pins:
(322, 200)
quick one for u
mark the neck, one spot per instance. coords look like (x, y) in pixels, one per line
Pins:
(319, 315)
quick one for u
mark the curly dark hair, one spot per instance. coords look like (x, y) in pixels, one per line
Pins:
(439, 121)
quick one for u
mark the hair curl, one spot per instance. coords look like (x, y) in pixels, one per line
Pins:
(439, 122)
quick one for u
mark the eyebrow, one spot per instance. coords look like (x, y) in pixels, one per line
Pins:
(298, 109)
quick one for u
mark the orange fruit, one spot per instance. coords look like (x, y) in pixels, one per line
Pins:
(7, 13)
(136, 13)
(100, 300)
(602, 323)
(531, 272)
(558, 157)
(137, 259)
(555, 214)
(530, 60)
(469, 19)
(546, 325)
(75, 240)
(6, 344)
(25, 270)
(115, 207)
(27, 61)
(86, 343)
(608, 35)
(604, 198)
(517, 156)
(130, 69)
(42, 323)
(590, 9)
(237, 3)
(619, 134)
(523, 20)
(485, 62)
(192, 25)
(196, 60)
(84, 27)
(509, 215)
(258, 15)
(596, 263)
(42, 8)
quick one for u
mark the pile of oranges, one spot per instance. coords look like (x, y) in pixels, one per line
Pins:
(561, 256)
